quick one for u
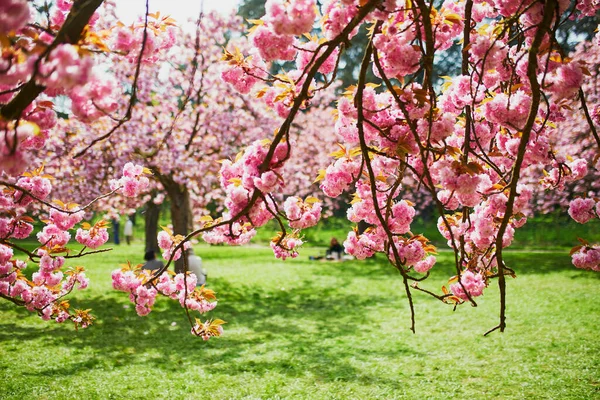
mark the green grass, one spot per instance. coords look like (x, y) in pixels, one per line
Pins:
(315, 330)
(551, 231)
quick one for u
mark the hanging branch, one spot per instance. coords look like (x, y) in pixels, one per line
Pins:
(71, 31)
(543, 28)
(588, 117)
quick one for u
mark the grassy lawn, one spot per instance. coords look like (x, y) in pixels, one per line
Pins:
(552, 231)
(315, 330)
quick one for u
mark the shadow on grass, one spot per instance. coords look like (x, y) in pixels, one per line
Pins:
(320, 327)
(378, 268)
(309, 329)
(544, 263)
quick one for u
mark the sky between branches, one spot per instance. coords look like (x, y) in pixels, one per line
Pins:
(180, 10)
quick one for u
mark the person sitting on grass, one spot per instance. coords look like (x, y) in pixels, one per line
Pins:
(151, 262)
(335, 250)
(195, 266)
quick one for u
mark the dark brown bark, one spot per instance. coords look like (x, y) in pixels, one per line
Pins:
(181, 211)
(151, 229)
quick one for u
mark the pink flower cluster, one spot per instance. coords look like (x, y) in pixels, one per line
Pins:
(337, 15)
(588, 7)
(510, 112)
(308, 51)
(582, 210)
(272, 46)
(339, 175)
(161, 35)
(425, 265)
(65, 69)
(302, 214)
(564, 82)
(243, 73)
(286, 247)
(96, 99)
(473, 284)
(52, 236)
(274, 38)
(482, 229)
(45, 291)
(398, 56)
(38, 185)
(241, 179)
(63, 220)
(93, 237)
(59, 14)
(363, 245)
(181, 287)
(16, 144)
(587, 257)
(42, 293)
(133, 182)
(168, 242)
(234, 234)
(14, 14)
(564, 170)
(293, 17)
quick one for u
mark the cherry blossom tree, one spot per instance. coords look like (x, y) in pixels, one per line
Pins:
(469, 143)
(51, 52)
(190, 120)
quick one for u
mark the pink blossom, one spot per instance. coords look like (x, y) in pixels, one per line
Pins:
(164, 240)
(94, 100)
(14, 14)
(52, 236)
(360, 246)
(300, 214)
(398, 57)
(587, 258)
(588, 7)
(286, 248)
(6, 253)
(582, 210)
(185, 282)
(565, 81)
(65, 221)
(38, 186)
(65, 69)
(237, 76)
(473, 284)
(133, 182)
(512, 115)
(578, 168)
(43, 117)
(294, 18)
(425, 265)
(239, 234)
(48, 264)
(401, 217)
(307, 53)
(338, 176)
(92, 238)
(267, 182)
(168, 243)
(338, 15)
(272, 46)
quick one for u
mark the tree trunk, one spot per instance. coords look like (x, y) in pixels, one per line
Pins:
(151, 230)
(180, 211)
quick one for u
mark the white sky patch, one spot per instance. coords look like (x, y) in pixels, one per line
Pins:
(181, 10)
